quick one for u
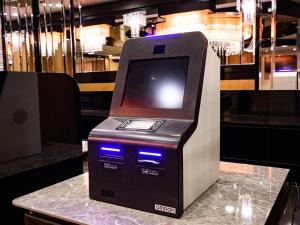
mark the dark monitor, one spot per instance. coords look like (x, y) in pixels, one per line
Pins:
(156, 83)
(158, 79)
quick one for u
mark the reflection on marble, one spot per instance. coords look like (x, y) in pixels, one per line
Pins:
(243, 195)
(51, 153)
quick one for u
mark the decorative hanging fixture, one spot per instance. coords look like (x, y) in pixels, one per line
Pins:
(249, 9)
(183, 22)
(222, 30)
(135, 20)
(225, 38)
(238, 5)
(249, 16)
(49, 43)
(94, 37)
(229, 45)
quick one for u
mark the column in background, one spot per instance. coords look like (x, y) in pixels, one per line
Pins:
(1, 52)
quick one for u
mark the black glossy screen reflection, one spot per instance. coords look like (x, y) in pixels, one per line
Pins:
(156, 83)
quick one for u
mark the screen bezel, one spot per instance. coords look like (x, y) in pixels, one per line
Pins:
(179, 45)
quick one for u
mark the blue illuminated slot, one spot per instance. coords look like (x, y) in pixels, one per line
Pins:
(162, 35)
(146, 157)
(150, 154)
(108, 151)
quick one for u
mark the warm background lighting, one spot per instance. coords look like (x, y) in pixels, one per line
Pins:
(223, 30)
(93, 37)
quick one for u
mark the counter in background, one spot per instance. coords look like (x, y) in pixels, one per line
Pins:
(55, 163)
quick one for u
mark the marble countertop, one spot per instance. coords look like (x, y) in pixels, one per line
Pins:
(262, 120)
(243, 195)
(51, 153)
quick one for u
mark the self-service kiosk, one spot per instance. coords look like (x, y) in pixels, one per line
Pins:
(158, 150)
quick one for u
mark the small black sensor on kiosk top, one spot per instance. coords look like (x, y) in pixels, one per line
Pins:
(158, 150)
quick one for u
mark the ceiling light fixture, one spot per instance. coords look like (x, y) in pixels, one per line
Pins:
(135, 20)
(94, 37)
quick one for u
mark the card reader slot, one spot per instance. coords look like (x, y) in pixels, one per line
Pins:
(149, 158)
(110, 152)
(146, 161)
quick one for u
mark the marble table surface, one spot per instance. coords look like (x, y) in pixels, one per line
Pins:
(244, 194)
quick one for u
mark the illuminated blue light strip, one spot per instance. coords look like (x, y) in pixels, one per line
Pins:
(150, 154)
(285, 70)
(110, 149)
(161, 35)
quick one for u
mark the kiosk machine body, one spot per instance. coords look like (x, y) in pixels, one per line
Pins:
(158, 150)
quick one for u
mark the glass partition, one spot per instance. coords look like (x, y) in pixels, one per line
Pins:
(53, 39)
(98, 40)
(56, 36)
(18, 36)
(279, 49)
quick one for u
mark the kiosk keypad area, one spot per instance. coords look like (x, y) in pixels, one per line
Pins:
(141, 125)
(158, 150)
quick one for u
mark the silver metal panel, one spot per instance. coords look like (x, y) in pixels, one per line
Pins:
(170, 132)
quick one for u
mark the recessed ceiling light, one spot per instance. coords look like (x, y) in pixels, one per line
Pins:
(284, 46)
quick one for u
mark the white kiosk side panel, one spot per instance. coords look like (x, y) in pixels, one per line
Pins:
(201, 153)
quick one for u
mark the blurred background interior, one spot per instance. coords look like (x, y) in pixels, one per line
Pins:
(258, 42)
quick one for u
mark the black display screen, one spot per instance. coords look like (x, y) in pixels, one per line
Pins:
(156, 83)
